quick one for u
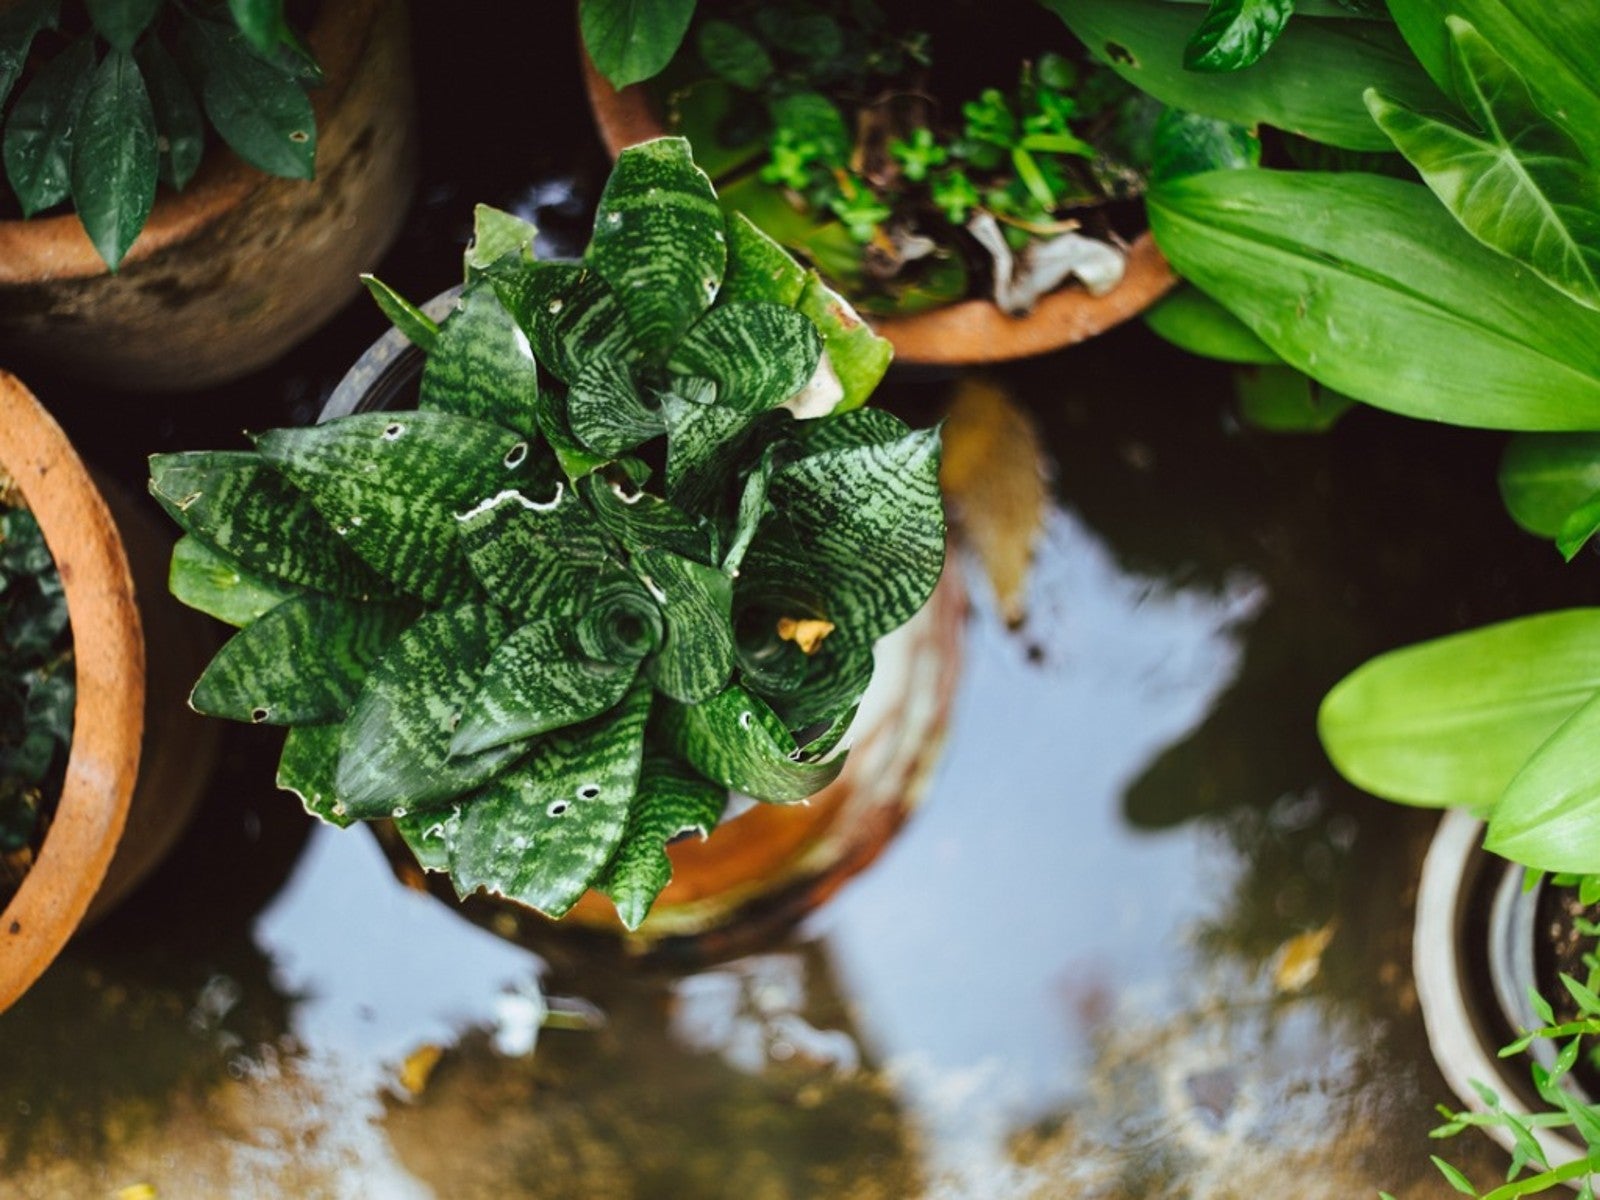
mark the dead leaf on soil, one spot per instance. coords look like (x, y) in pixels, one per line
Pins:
(1299, 960)
(418, 1066)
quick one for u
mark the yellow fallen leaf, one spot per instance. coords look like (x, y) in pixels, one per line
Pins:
(993, 478)
(1300, 958)
(418, 1066)
(137, 1191)
(807, 633)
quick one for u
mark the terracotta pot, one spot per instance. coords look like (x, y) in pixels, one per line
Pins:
(106, 834)
(972, 331)
(239, 266)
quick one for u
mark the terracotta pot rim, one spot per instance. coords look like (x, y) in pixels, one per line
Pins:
(58, 248)
(108, 715)
(968, 331)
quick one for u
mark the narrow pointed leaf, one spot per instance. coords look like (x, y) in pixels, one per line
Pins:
(1545, 476)
(121, 22)
(1581, 525)
(759, 355)
(394, 751)
(753, 505)
(419, 328)
(641, 521)
(632, 40)
(1193, 321)
(536, 558)
(19, 24)
(114, 157)
(736, 740)
(658, 241)
(180, 130)
(1235, 33)
(538, 680)
(306, 768)
(542, 832)
(39, 128)
(570, 315)
(480, 365)
(238, 505)
(213, 583)
(392, 485)
(606, 412)
(302, 663)
(496, 234)
(759, 270)
(1549, 817)
(672, 801)
(696, 656)
(1452, 721)
(260, 110)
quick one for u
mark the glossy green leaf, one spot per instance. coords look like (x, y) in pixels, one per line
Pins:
(570, 315)
(262, 22)
(733, 54)
(1310, 84)
(574, 458)
(696, 656)
(302, 663)
(542, 833)
(419, 328)
(38, 134)
(535, 558)
(606, 412)
(20, 22)
(1451, 721)
(237, 504)
(180, 130)
(394, 749)
(759, 355)
(213, 583)
(858, 357)
(480, 365)
(1582, 523)
(759, 270)
(307, 768)
(1520, 186)
(1545, 476)
(1193, 321)
(1235, 33)
(1369, 286)
(497, 234)
(753, 505)
(632, 40)
(260, 110)
(701, 437)
(430, 836)
(831, 684)
(736, 740)
(538, 680)
(114, 157)
(1185, 143)
(658, 241)
(672, 801)
(393, 484)
(1280, 399)
(121, 22)
(642, 522)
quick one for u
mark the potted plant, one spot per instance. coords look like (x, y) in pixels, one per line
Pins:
(974, 211)
(631, 549)
(219, 179)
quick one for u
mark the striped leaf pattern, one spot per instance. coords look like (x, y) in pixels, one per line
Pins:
(307, 767)
(736, 740)
(640, 521)
(758, 355)
(696, 601)
(605, 411)
(672, 801)
(570, 315)
(534, 556)
(482, 366)
(622, 623)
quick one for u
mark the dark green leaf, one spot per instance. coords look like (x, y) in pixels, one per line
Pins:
(1236, 33)
(1185, 143)
(307, 768)
(114, 157)
(430, 836)
(543, 832)
(702, 436)
(419, 328)
(260, 110)
(570, 315)
(734, 54)
(759, 355)
(1280, 399)
(480, 365)
(180, 130)
(262, 23)
(641, 521)
(622, 622)
(672, 801)
(605, 411)
(574, 458)
(696, 656)
(38, 136)
(19, 23)
(735, 739)
(536, 558)
(213, 583)
(631, 40)
(121, 22)
(1193, 321)
(1545, 476)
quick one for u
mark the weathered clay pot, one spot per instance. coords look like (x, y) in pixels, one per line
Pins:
(972, 331)
(106, 834)
(239, 266)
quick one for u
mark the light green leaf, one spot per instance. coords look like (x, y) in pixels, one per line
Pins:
(570, 315)
(213, 583)
(1452, 721)
(306, 768)
(535, 558)
(733, 54)
(631, 40)
(759, 355)
(496, 234)
(759, 270)
(261, 111)
(1236, 33)
(1185, 143)
(114, 157)
(121, 22)
(622, 621)
(394, 750)
(302, 663)
(180, 130)
(1367, 285)
(542, 833)
(696, 656)
(1549, 817)
(606, 412)
(480, 365)
(736, 740)
(641, 521)
(1454, 1177)
(1545, 476)
(1193, 321)
(1521, 186)
(235, 503)
(392, 485)
(1581, 525)
(1280, 399)
(658, 241)
(38, 135)
(419, 328)
(672, 801)
(19, 23)
(262, 23)
(858, 357)
(538, 680)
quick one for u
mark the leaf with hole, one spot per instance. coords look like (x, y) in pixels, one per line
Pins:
(260, 110)
(736, 740)
(672, 801)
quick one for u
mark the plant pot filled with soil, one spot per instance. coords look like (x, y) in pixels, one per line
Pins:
(625, 547)
(970, 180)
(190, 190)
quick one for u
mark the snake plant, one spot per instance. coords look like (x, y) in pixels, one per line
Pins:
(609, 568)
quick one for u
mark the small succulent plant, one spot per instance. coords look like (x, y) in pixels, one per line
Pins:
(610, 567)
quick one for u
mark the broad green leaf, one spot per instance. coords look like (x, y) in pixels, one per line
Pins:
(535, 558)
(641, 521)
(260, 110)
(1581, 525)
(1193, 321)
(394, 749)
(213, 583)
(606, 412)
(759, 355)
(538, 680)
(480, 365)
(850, 431)
(574, 458)
(19, 23)
(622, 622)
(1280, 399)
(759, 270)
(419, 328)
(831, 686)
(306, 768)
(38, 135)
(430, 836)
(542, 832)
(393, 486)
(180, 130)
(672, 801)
(1549, 817)
(114, 157)
(121, 22)
(236, 504)
(1236, 33)
(1545, 476)
(570, 315)
(1370, 287)
(1310, 84)
(631, 40)
(702, 438)
(262, 23)
(1185, 143)
(1521, 186)
(859, 358)
(736, 740)
(658, 241)
(696, 656)
(496, 234)
(1451, 721)
(819, 239)
(302, 663)
(733, 54)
